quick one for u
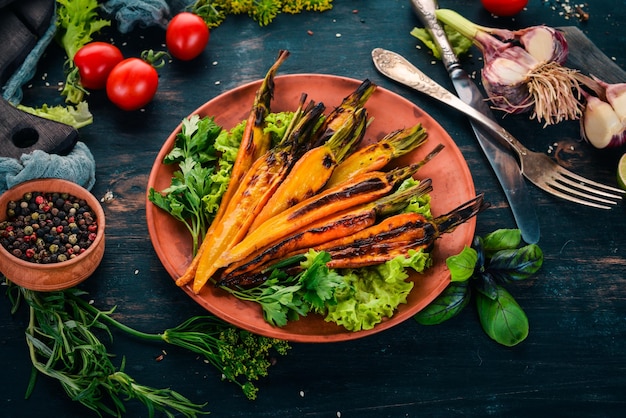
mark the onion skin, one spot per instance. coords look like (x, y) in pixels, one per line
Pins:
(616, 96)
(504, 78)
(535, 38)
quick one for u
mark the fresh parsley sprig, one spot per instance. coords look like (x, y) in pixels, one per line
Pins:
(200, 174)
(484, 269)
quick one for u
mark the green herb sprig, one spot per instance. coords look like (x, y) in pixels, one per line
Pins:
(195, 153)
(262, 11)
(483, 269)
(64, 344)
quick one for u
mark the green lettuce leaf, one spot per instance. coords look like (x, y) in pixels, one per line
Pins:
(76, 116)
(372, 294)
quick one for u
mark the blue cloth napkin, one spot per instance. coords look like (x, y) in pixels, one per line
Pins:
(78, 166)
(144, 13)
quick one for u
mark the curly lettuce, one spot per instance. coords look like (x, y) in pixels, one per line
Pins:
(77, 22)
(372, 294)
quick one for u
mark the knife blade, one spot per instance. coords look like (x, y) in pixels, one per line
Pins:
(502, 161)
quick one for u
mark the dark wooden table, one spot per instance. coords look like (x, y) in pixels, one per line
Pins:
(573, 362)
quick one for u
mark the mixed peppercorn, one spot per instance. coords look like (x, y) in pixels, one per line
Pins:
(48, 227)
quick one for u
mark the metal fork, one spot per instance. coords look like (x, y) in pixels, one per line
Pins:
(537, 167)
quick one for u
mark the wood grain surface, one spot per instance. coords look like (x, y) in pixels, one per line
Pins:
(573, 362)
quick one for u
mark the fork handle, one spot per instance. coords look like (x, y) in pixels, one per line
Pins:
(402, 71)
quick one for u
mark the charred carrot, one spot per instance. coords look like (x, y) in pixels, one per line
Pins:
(253, 192)
(349, 105)
(312, 171)
(327, 229)
(358, 190)
(254, 142)
(379, 154)
(396, 235)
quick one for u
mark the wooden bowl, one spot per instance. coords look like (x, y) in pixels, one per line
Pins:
(60, 275)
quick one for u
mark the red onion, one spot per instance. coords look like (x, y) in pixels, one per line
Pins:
(523, 70)
(603, 124)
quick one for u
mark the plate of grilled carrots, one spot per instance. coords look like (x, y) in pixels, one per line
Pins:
(245, 239)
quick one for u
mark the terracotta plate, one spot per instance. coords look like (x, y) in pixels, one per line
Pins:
(452, 183)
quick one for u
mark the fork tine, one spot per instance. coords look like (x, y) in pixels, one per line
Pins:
(557, 189)
(598, 186)
(591, 192)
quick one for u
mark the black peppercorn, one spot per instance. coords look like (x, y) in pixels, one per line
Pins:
(47, 227)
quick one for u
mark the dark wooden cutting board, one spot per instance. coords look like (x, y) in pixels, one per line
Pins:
(585, 56)
(22, 24)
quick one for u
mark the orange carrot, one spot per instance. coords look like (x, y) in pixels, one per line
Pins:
(312, 171)
(395, 236)
(254, 142)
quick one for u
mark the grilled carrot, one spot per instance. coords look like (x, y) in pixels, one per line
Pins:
(396, 235)
(312, 171)
(349, 105)
(254, 190)
(341, 224)
(379, 154)
(358, 190)
(254, 143)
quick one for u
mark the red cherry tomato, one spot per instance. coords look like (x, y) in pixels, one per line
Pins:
(95, 61)
(186, 36)
(132, 84)
(504, 7)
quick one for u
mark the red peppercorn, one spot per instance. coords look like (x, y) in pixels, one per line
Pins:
(93, 227)
(39, 200)
(59, 229)
(92, 236)
(30, 252)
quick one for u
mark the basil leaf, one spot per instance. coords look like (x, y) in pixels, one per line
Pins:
(517, 264)
(445, 306)
(477, 244)
(502, 319)
(486, 285)
(462, 265)
(502, 239)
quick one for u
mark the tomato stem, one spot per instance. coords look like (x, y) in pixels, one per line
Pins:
(156, 59)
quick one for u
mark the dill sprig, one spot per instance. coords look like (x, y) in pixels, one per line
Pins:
(63, 342)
